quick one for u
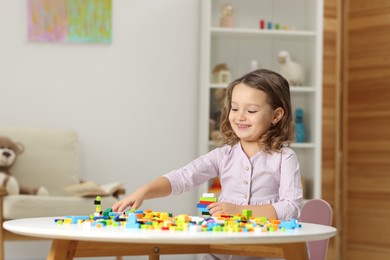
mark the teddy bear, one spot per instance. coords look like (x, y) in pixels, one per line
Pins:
(9, 152)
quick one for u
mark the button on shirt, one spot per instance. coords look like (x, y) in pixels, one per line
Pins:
(265, 178)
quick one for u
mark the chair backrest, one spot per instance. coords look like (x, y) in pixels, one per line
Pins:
(317, 211)
(51, 158)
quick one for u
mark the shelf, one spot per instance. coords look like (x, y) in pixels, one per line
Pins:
(293, 145)
(218, 31)
(300, 89)
(238, 46)
(302, 145)
(218, 85)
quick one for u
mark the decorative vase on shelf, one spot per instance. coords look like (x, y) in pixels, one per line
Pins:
(254, 65)
(227, 16)
(300, 133)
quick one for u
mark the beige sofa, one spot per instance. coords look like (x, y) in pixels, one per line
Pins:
(51, 159)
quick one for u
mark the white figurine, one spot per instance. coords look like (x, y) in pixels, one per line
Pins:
(221, 74)
(291, 70)
(254, 65)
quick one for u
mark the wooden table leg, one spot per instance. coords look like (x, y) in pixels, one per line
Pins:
(154, 257)
(290, 251)
(62, 250)
(295, 251)
(68, 249)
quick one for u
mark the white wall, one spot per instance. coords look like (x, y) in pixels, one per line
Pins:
(133, 102)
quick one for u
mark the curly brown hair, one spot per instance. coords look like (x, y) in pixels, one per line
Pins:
(277, 90)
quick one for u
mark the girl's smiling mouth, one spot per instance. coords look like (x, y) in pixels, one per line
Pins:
(241, 126)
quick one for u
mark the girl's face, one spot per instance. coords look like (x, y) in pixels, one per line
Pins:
(250, 115)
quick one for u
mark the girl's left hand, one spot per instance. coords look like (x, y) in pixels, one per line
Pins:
(223, 208)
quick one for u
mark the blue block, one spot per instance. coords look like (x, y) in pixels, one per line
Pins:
(201, 206)
(75, 219)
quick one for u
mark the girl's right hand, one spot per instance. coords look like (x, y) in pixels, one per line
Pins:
(155, 189)
(134, 201)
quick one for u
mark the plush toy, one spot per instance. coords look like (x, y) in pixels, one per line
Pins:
(9, 151)
(291, 70)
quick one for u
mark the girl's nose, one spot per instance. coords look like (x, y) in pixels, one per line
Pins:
(241, 116)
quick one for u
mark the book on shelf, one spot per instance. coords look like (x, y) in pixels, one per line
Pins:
(91, 189)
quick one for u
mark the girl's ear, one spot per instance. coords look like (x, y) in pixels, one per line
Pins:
(278, 114)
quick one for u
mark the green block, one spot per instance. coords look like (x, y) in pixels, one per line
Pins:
(209, 199)
(247, 213)
(217, 229)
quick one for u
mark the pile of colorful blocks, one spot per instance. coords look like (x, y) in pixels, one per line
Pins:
(148, 219)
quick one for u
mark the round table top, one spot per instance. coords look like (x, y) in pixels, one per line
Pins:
(47, 228)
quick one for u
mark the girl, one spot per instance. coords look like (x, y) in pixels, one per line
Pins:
(257, 169)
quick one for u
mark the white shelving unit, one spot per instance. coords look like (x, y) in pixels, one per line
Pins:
(237, 46)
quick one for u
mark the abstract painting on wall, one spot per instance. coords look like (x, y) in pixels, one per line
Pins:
(70, 21)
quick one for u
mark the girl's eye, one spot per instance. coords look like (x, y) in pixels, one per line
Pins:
(234, 109)
(251, 111)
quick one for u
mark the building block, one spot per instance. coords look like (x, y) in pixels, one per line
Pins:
(149, 219)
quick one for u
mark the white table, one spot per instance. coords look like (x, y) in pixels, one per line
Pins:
(71, 241)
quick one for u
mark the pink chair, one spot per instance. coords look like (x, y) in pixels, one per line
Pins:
(317, 211)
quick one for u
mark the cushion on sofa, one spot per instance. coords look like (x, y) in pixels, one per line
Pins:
(51, 158)
(28, 206)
